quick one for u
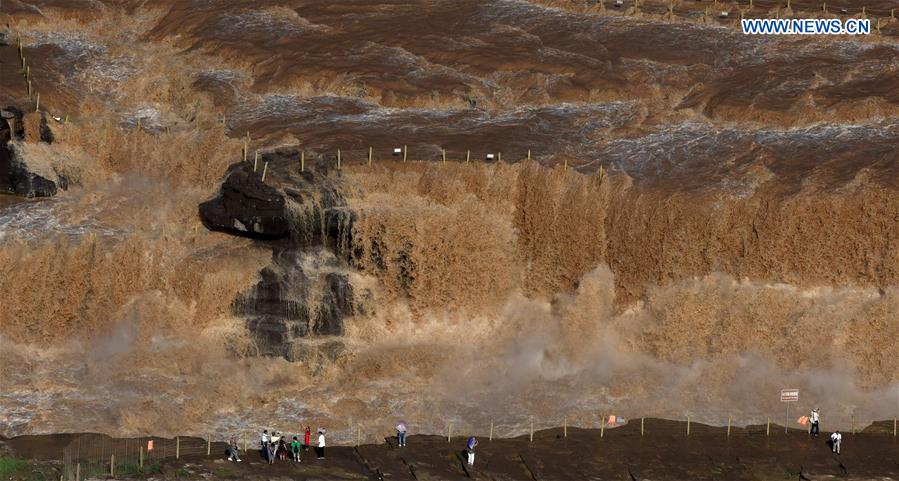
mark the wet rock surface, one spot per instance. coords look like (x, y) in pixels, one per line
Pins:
(246, 206)
(17, 177)
(305, 293)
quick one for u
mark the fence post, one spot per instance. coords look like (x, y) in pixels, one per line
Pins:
(256, 161)
(688, 425)
(444, 155)
(602, 426)
(499, 156)
(208, 444)
(532, 432)
(529, 154)
(467, 156)
(338, 159)
(641, 426)
(141, 458)
(405, 151)
(245, 442)
(449, 432)
(177, 447)
(894, 427)
(112, 465)
(37, 103)
(369, 156)
(78, 472)
(565, 427)
(491, 431)
(303, 161)
(768, 427)
(246, 148)
(264, 170)
(728, 425)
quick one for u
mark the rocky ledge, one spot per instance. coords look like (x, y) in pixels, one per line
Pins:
(19, 175)
(297, 307)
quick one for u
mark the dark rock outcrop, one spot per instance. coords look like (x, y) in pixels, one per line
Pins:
(297, 308)
(16, 175)
(290, 303)
(246, 206)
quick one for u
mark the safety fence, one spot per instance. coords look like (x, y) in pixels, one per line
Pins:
(93, 455)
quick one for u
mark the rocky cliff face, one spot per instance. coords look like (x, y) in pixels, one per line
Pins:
(305, 293)
(17, 175)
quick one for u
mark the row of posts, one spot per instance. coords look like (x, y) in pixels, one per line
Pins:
(449, 428)
(449, 438)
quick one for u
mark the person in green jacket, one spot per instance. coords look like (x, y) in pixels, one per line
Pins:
(295, 448)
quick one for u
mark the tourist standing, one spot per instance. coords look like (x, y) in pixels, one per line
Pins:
(320, 448)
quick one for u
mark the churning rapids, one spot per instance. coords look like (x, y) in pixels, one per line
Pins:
(684, 219)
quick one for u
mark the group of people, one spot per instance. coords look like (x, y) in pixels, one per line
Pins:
(278, 446)
(814, 429)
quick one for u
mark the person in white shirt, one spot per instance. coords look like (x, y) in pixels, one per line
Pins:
(320, 449)
(265, 442)
(835, 439)
(813, 429)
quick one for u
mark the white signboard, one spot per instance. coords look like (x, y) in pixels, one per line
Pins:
(789, 395)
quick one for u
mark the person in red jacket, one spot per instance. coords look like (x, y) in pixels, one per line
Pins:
(306, 439)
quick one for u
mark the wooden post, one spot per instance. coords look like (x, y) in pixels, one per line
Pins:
(29, 89)
(824, 7)
(369, 156)
(264, 170)
(208, 444)
(405, 151)
(565, 427)
(529, 154)
(177, 447)
(66, 120)
(467, 156)
(728, 426)
(302, 161)
(37, 103)
(491, 431)
(688, 425)
(78, 472)
(602, 426)
(532, 432)
(256, 161)
(768, 427)
(449, 432)
(566, 164)
(246, 148)
(641, 426)
(112, 465)
(338, 159)
(244, 441)
(499, 157)
(444, 155)
(141, 448)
